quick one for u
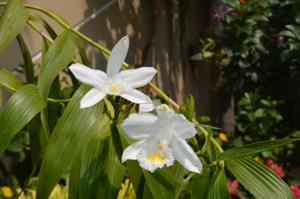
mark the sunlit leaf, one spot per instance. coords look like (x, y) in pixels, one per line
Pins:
(18, 111)
(218, 188)
(67, 137)
(259, 180)
(12, 22)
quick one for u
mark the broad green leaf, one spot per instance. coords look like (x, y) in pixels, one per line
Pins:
(259, 180)
(88, 167)
(254, 148)
(200, 184)
(9, 81)
(67, 137)
(114, 169)
(28, 65)
(58, 57)
(218, 189)
(19, 110)
(159, 185)
(12, 22)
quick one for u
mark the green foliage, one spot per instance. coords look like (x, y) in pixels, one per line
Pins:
(11, 24)
(256, 177)
(255, 49)
(16, 113)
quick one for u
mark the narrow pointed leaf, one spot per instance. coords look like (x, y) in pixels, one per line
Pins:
(200, 184)
(67, 137)
(254, 148)
(218, 189)
(58, 57)
(259, 180)
(28, 65)
(12, 22)
(19, 110)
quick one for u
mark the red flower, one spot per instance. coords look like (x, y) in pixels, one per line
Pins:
(242, 1)
(232, 186)
(279, 171)
(296, 190)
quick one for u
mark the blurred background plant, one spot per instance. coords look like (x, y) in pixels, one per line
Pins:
(255, 49)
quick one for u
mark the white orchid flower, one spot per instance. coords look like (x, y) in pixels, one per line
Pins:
(148, 107)
(160, 139)
(114, 82)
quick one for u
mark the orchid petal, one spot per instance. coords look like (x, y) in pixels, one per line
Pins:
(92, 97)
(148, 107)
(89, 76)
(185, 155)
(136, 78)
(184, 129)
(131, 152)
(117, 56)
(140, 126)
(136, 96)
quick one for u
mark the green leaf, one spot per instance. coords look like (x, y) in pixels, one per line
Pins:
(218, 189)
(68, 136)
(114, 170)
(18, 111)
(44, 23)
(200, 184)
(259, 180)
(12, 22)
(88, 167)
(58, 57)
(159, 184)
(9, 81)
(254, 148)
(188, 107)
(28, 65)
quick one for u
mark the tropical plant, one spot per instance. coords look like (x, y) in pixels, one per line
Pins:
(88, 139)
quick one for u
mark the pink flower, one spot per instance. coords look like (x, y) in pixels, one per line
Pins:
(277, 169)
(269, 163)
(232, 186)
(296, 190)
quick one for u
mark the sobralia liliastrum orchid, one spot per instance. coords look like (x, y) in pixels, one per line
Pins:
(114, 82)
(160, 140)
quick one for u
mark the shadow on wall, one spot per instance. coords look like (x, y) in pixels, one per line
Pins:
(161, 35)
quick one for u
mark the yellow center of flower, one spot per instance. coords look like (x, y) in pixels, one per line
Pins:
(156, 157)
(114, 89)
